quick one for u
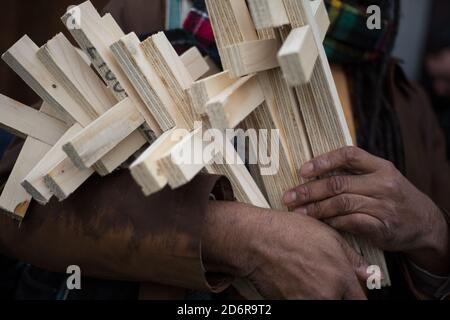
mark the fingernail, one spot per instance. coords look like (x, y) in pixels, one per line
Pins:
(290, 197)
(302, 211)
(362, 272)
(307, 169)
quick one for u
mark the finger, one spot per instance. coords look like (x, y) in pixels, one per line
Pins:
(350, 158)
(319, 190)
(355, 291)
(357, 224)
(359, 264)
(342, 205)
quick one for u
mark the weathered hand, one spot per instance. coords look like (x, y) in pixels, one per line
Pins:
(377, 202)
(285, 256)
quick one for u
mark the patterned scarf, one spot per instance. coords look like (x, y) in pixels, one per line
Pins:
(348, 39)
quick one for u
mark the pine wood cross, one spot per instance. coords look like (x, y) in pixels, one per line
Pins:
(276, 76)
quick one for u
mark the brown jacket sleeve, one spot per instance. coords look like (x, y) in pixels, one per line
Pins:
(112, 231)
(439, 164)
(427, 166)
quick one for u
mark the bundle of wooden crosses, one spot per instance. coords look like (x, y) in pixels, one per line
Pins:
(139, 94)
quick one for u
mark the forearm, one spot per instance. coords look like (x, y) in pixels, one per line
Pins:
(229, 226)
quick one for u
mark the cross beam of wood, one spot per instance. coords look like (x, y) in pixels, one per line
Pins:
(14, 199)
(254, 56)
(25, 121)
(230, 107)
(34, 182)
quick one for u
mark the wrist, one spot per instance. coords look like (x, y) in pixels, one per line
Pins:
(229, 236)
(433, 250)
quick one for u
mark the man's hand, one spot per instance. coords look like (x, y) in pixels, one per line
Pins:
(285, 256)
(377, 202)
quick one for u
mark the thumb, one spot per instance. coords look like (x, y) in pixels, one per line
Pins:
(358, 263)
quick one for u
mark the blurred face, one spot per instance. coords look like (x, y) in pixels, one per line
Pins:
(438, 67)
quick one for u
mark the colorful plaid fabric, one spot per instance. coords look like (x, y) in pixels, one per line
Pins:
(197, 23)
(197, 31)
(349, 39)
(176, 12)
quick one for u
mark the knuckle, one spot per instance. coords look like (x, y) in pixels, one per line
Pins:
(392, 184)
(322, 163)
(304, 193)
(386, 230)
(351, 154)
(390, 167)
(318, 164)
(389, 185)
(345, 204)
(337, 184)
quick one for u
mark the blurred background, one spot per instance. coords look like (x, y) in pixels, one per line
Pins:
(423, 45)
